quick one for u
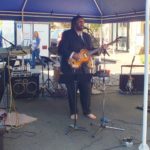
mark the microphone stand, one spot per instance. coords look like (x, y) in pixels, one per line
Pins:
(12, 45)
(91, 34)
(74, 126)
(104, 52)
(104, 121)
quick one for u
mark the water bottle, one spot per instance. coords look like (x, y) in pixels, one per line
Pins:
(28, 67)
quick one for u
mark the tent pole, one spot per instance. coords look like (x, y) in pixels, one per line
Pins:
(23, 67)
(143, 145)
(100, 11)
(22, 12)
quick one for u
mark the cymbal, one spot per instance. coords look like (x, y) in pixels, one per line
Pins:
(46, 59)
(111, 61)
(19, 52)
(108, 61)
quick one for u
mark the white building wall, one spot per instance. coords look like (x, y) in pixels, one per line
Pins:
(136, 39)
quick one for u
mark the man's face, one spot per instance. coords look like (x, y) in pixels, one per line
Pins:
(80, 24)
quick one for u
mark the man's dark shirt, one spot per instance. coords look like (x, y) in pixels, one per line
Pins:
(71, 42)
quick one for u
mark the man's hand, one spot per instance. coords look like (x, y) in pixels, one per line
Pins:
(76, 56)
(104, 49)
(104, 46)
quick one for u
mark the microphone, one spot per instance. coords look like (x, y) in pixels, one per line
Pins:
(86, 28)
(13, 45)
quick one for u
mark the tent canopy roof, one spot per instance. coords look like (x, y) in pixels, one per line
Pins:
(63, 10)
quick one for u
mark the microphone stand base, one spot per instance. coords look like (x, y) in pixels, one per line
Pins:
(73, 127)
(104, 126)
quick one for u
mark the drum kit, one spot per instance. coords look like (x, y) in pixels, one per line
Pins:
(99, 75)
(51, 86)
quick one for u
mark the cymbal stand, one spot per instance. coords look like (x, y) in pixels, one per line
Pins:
(43, 86)
(48, 80)
(104, 120)
(7, 71)
(9, 83)
(74, 126)
(4, 97)
(46, 84)
(7, 99)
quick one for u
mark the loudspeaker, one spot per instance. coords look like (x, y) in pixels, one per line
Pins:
(137, 81)
(25, 86)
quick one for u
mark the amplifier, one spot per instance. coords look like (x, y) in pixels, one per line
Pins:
(137, 83)
(25, 86)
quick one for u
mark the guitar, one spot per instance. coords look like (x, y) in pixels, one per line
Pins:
(85, 56)
(129, 85)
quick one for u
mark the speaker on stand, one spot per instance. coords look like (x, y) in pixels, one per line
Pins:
(25, 86)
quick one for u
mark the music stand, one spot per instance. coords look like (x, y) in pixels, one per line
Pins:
(46, 84)
(67, 78)
(103, 120)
